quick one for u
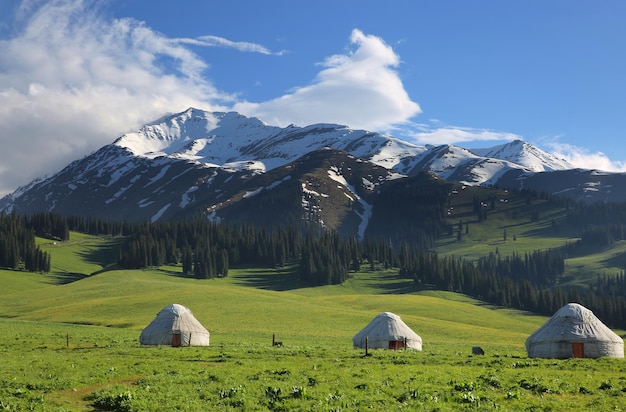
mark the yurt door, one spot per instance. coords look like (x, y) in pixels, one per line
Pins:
(176, 339)
(396, 344)
(578, 350)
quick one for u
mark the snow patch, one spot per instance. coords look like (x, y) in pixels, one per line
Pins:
(366, 215)
(367, 184)
(213, 217)
(276, 183)
(117, 194)
(119, 172)
(252, 193)
(145, 202)
(158, 214)
(186, 199)
(159, 175)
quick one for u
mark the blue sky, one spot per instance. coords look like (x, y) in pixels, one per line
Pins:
(75, 74)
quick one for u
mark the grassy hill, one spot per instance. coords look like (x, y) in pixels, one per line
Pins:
(71, 343)
(249, 304)
(517, 223)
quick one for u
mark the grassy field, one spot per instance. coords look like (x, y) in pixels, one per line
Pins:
(70, 343)
(106, 369)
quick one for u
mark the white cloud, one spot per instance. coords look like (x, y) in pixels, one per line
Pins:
(243, 46)
(459, 135)
(72, 80)
(584, 159)
(360, 89)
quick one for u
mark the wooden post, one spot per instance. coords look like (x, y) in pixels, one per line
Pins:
(67, 340)
(366, 345)
(273, 339)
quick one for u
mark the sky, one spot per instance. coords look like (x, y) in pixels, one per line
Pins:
(76, 74)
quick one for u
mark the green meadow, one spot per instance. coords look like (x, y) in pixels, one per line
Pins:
(70, 342)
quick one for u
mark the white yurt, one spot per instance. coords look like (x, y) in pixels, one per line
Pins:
(387, 331)
(574, 332)
(175, 325)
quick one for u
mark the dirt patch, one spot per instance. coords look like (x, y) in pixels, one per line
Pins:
(74, 399)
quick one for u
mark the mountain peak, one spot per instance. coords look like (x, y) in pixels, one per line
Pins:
(526, 155)
(174, 133)
(187, 159)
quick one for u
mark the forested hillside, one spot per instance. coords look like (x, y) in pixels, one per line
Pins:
(530, 279)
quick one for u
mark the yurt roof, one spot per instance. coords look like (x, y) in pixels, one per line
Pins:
(574, 322)
(175, 318)
(387, 326)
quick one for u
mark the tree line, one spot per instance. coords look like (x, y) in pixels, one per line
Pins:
(18, 250)
(204, 249)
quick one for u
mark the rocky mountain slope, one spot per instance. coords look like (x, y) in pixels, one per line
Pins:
(228, 166)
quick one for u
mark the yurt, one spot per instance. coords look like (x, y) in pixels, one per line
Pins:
(574, 332)
(387, 331)
(175, 325)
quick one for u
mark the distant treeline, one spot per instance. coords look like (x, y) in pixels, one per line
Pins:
(529, 281)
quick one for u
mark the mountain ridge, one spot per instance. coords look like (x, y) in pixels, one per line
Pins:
(199, 162)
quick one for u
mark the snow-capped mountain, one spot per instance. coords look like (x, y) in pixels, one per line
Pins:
(225, 165)
(525, 154)
(227, 139)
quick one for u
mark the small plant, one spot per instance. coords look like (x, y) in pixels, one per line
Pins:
(273, 394)
(463, 386)
(469, 397)
(491, 381)
(512, 394)
(231, 392)
(298, 392)
(606, 385)
(535, 386)
(409, 395)
(112, 401)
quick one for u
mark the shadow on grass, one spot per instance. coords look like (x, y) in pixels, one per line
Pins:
(64, 278)
(267, 279)
(177, 273)
(278, 279)
(105, 254)
(617, 261)
(396, 285)
(550, 231)
(67, 277)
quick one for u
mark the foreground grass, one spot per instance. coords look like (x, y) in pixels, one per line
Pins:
(75, 347)
(70, 367)
(70, 343)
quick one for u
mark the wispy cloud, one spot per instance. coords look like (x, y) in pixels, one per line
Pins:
(437, 135)
(71, 80)
(361, 89)
(242, 46)
(585, 159)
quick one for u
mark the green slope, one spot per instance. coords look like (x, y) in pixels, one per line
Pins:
(84, 287)
(519, 224)
(130, 299)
